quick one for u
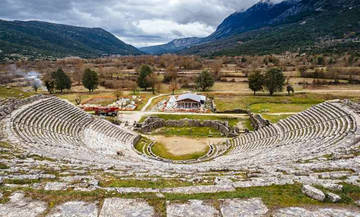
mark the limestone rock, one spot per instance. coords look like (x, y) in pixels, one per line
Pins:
(326, 212)
(20, 206)
(243, 208)
(333, 197)
(126, 208)
(357, 203)
(75, 208)
(333, 187)
(194, 208)
(293, 212)
(55, 186)
(313, 192)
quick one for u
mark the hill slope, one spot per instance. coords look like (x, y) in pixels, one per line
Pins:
(173, 46)
(40, 39)
(291, 25)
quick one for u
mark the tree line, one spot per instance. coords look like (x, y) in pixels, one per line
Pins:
(59, 81)
(273, 81)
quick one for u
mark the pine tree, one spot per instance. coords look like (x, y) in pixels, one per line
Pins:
(90, 80)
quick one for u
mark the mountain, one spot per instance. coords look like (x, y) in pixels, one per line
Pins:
(261, 14)
(42, 39)
(172, 47)
(292, 25)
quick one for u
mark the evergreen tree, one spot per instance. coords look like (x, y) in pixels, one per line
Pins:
(61, 80)
(144, 72)
(274, 80)
(290, 89)
(50, 85)
(256, 81)
(205, 80)
(90, 80)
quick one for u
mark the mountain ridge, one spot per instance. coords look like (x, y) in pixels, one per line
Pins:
(271, 19)
(172, 46)
(42, 39)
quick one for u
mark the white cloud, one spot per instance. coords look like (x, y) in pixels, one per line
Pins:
(138, 22)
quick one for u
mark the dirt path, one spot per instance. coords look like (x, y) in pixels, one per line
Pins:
(150, 100)
(184, 145)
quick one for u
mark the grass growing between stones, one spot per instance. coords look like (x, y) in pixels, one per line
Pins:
(248, 125)
(161, 151)
(158, 183)
(273, 196)
(275, 118)
(349, 194)
(141, 143)
(187, 131)
(3, 166)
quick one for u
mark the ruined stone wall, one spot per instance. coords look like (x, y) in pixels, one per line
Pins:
(257, 121)
(9, 105)
(152, 123)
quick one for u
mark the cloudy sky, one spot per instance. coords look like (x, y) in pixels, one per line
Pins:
(137, 22)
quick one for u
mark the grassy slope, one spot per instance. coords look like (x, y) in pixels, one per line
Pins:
(291, 36)
(273, 104)
(14, 92)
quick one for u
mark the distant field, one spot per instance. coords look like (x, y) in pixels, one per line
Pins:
(270, 104)
(102, 98)
(278, 107)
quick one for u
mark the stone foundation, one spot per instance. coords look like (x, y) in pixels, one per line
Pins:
(153, 123)
(257, 121)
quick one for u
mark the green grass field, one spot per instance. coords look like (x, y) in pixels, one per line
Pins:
(161, 151)
(274, 118)
(159, 183)
(270, 104)
(232, 121)
(187, 131)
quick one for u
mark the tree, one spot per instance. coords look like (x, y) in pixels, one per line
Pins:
(133, 86)
(50, 85)
(144, 72)
(78, 100)
(256, 81)
(153, 81)
(90, 80)
(173, 85)
(78, 72)
(61, 80)
(118, 94)
(171, 73)
(216, 68)
(290, 89)
(274, 80)
(205, 80)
